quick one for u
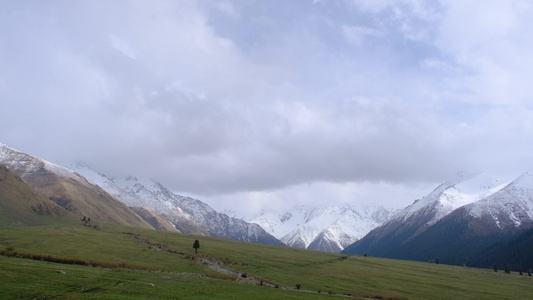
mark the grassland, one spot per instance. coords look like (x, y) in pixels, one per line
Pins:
(133, 263)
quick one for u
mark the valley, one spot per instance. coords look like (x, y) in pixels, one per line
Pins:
(468, 221)
(150, 264)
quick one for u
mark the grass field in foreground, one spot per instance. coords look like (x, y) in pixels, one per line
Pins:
(149, 264)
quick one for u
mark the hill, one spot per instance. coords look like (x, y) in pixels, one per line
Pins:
(69, 189)
(21, 205)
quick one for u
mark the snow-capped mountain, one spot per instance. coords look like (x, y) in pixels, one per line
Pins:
(328, 228)
(447, 197)
(68, 189)
(27, 166)
(455, 223)
(187, 214)
(507, 209)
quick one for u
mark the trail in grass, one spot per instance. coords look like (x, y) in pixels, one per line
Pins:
(216, 266)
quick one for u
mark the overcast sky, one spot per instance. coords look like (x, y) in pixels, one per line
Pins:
(251, 105)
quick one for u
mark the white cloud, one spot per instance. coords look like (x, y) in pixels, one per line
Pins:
(357, 34)
(271, 101)
(492, 45)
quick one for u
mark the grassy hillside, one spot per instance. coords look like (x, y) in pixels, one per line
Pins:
(70, 190)
(85, 199)
(21, 205)
(133, 263)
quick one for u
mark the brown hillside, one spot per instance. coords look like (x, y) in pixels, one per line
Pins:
(69, 189)
(154, 219)
(21, 205)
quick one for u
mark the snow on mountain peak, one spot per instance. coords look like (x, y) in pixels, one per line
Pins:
(470, 190)
(514, 200)
(457, 192)
(524, 181)
(331, 228)
(29, 164)
(186, 214)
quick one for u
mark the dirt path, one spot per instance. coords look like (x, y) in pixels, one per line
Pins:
(242, 277)
(215, 266)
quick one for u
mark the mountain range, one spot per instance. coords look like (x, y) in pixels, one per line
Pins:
(133, 204)
(150, 204)
(458, 223)
(68, 189)
(471, 220)
(329, 228)
(187, 214)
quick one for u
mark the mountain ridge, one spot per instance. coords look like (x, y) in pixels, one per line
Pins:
(69, 189)
(328, 228)
(21, 205)
(499, 211)
(188, 215)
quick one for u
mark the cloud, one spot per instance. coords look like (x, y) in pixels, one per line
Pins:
(235, 101)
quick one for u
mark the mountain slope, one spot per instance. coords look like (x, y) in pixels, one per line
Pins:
(154, 219)
(69, 189)
(188, 215)
(503, 212)
(326, 229)
(474, 228)
(515, 253)
(22, 205)
(384, 240)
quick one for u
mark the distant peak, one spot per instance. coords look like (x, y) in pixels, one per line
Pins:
(131, 178)
(526, 179)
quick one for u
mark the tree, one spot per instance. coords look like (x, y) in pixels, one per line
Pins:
(196, 245)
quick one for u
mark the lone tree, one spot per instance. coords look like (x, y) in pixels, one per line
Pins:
(196, 245)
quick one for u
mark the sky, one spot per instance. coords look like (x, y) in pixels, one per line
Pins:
(262, 105)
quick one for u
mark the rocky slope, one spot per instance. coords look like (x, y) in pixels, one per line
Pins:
(186, 214)
(21, 205)
(69, 189)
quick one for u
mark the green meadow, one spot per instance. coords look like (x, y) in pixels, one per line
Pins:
(72, 261)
